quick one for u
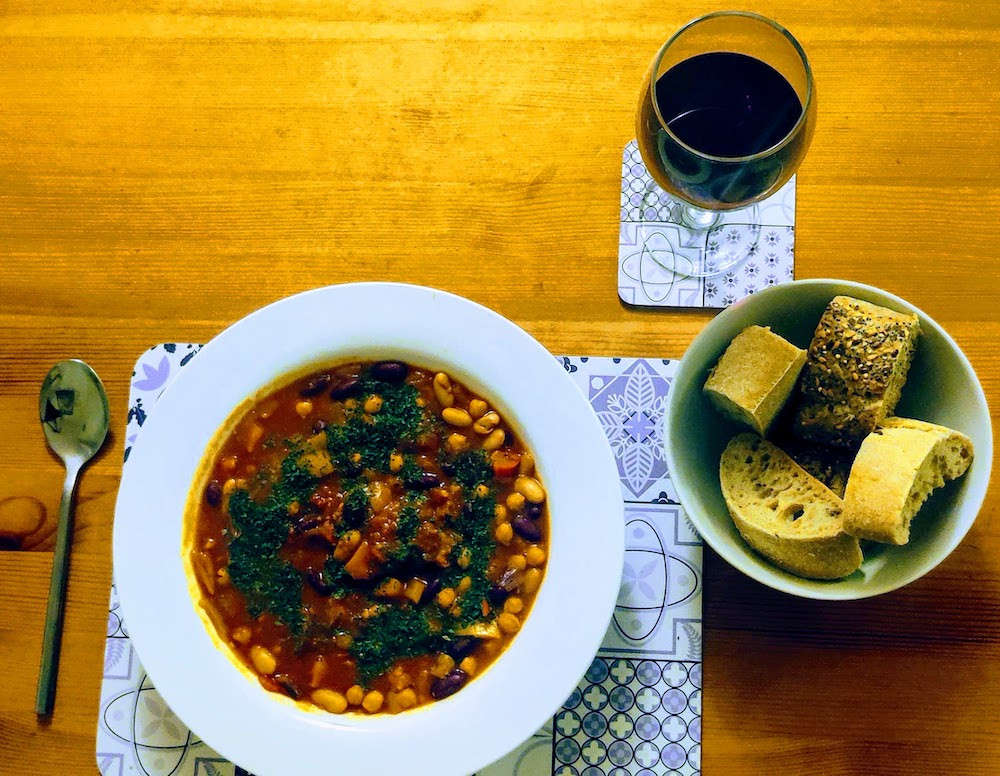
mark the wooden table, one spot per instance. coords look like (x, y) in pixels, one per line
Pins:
(164, 173)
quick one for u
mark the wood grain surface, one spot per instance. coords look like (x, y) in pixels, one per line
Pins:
(166, 168)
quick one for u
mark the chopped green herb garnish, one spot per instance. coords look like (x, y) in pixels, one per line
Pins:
(394, 632)
(336, 578)
(355, 504)
(473, 468)
(474, 523)
(375, 439)
(268, 583)
(411, 472)
(407, 523)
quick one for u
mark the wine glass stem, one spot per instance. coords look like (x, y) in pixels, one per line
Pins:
(698, 218)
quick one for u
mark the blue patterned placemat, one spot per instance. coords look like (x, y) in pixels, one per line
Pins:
(644, 277)
(637, 712)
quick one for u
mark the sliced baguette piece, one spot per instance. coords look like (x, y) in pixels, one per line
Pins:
(858, 360)
(755, 377)
(895, 471)
(785, 513)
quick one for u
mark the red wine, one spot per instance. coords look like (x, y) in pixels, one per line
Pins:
(723, 105)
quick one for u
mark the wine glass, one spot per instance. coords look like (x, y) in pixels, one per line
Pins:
(725, 117)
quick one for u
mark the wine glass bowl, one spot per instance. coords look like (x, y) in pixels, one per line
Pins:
(725, 117)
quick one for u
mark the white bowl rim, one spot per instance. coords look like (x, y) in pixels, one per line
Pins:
(831, 591)
(513, 698)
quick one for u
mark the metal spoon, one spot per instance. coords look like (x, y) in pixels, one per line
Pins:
(73, 409)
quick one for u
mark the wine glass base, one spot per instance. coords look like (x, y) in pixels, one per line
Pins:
(681, 240)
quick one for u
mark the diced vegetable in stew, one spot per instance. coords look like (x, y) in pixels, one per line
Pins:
(370, 537)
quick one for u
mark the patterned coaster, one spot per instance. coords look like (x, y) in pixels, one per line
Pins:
(650, 237)
(637, 711)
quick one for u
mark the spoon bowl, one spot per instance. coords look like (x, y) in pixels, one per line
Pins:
(73, 410)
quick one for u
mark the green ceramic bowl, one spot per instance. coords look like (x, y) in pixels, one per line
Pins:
(942, 388)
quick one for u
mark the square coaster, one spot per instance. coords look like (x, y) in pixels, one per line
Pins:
(651, 239)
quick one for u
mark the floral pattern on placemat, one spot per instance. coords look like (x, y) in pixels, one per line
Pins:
(638, 709)
(649, 229)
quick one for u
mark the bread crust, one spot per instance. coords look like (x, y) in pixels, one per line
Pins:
(895, 471)
(784, 513)
(857, 364)
(755, 377)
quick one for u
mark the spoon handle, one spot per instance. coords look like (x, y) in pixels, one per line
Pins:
(57, 596)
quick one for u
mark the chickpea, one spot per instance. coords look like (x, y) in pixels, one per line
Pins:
(372, 702)
(241, 634)
(513, 605)
(343, 640)
(532, 580)
(355, 695)
(535, 555)
(504, 533)
(443, 665)
(515, 502)
(508, 623)
(456, 443)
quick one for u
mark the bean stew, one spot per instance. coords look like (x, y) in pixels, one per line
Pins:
(368, 537)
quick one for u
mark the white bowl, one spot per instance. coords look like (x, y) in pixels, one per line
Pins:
(941, 387)
(268, 734)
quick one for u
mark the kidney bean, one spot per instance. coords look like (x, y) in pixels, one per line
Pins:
(213, 493)
(534, 511)
(318, 426)
(509, 581)
(449, 684)
(496, 595)
(448, 468)
(433, 586)
(343, 386)
(462, 647)
(428, 480)
(284, 681)
(317, 583)
(319, 542)
(390, 371)
(316, 386)
(526, 528)
(307, 523)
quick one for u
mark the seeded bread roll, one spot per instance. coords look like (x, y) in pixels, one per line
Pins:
(896, 469)
(755, 377)
(857, 364)
(829, 465)
(784, 513)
